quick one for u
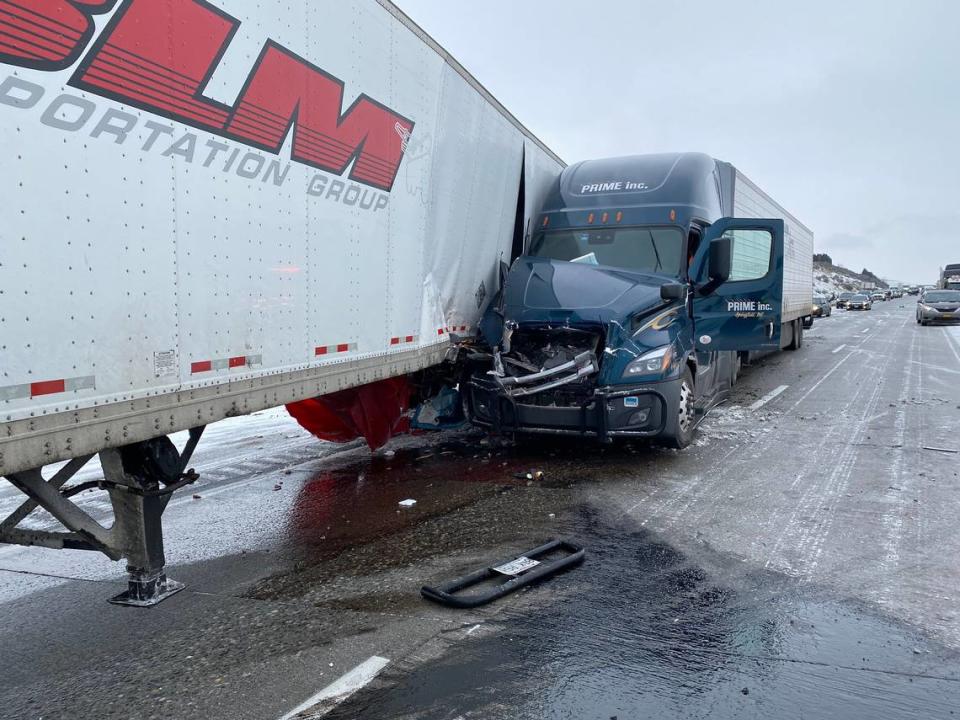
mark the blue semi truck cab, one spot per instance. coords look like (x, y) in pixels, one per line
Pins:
(639, 294)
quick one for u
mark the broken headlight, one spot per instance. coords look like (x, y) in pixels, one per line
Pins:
(655, 362)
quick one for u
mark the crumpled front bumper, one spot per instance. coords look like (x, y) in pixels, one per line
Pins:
(606, 413)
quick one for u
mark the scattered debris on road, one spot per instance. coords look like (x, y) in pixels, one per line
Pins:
(521, 571)
(409, 502)
(943, 450)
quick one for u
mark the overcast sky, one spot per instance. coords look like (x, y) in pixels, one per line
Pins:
(846, 113)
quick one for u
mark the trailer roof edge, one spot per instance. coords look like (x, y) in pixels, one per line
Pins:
(465, 74)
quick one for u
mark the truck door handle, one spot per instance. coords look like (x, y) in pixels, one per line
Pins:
(770, 330)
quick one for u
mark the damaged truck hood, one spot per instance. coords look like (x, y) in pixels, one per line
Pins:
(541, 290)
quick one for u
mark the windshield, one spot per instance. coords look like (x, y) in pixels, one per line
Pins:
(944, 296)
(846, 295)
(859, 298)
(651, 249)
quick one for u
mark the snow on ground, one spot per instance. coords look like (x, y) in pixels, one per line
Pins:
(828, 279)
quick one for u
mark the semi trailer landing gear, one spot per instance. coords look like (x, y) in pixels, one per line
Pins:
(140, 480)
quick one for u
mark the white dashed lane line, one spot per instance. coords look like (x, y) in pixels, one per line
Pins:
(768, 397)
(339, 690)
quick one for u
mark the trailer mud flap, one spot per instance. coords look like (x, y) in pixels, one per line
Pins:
(520, 571)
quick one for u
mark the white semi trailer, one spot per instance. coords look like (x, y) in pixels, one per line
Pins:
(211, 208)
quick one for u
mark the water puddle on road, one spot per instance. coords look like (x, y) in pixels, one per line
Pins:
(643, 630)
(347, 527)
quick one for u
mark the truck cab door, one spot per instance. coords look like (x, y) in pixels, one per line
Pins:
(738, 297)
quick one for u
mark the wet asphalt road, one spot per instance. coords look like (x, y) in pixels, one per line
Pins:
(800, 560)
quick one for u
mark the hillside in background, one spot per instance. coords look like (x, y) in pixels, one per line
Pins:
(830, 278)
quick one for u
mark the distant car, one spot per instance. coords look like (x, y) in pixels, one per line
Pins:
(859, 302)
(913, 290)
(843, 298)
(939, 306)
(822, 306)
(877, 296)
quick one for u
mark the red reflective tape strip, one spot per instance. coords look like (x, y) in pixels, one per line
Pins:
(47, 387)
(409, 339)
(237, 361)
(321, 351)
(343, 347)
(440, 331)
(395, 341)
(202, 366)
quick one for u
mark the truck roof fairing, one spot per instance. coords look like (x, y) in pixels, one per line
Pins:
(639, 181)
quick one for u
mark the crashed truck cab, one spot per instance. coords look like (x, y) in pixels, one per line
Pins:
(604, 326)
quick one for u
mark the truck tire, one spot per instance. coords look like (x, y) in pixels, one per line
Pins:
(680, 424)
(796, 339)
(737, 366)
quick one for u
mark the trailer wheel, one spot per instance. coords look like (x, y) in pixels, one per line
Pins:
(796, 339)
(679, 431)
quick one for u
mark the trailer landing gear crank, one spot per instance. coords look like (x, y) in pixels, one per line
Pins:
(139, 479)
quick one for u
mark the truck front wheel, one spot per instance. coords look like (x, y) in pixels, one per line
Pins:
(679, 431)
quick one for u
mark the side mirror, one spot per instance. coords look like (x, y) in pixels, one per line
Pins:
(673, 291)
(721, 250)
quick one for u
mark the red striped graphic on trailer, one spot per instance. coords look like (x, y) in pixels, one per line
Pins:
(231, 363)
(453, 329)
(47, 387)
(43, 388)
(339, 348)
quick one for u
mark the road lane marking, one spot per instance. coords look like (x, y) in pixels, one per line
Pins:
(341, 688)
(951, 340)
(820, 382)
(865, 330)
(768, 397)
(838, 349)
(938, 368)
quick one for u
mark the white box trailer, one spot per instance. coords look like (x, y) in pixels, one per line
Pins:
(749, 201)
(213, 208)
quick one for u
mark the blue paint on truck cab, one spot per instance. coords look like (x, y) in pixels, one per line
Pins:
(629, 311)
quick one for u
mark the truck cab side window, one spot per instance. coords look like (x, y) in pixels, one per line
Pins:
(750, 254)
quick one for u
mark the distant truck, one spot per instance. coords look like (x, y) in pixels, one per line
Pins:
(647, 281)
(950, 277)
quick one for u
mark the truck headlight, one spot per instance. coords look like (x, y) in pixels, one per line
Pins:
(655, 362)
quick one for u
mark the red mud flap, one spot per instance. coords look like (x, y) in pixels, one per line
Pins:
(376, 412)
(523, 570)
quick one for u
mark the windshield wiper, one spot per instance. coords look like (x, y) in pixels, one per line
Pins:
(659, 265)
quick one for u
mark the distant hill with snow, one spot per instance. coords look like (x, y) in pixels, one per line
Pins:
(829, 278)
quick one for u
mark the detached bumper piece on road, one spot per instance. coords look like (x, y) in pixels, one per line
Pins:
(520, 571)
